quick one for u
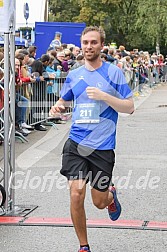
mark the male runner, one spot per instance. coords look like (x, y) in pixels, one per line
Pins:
(99, 91)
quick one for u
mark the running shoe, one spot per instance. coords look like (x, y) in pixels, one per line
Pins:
(114, 209)
(26, 131)
(84, 249)
(26, 126)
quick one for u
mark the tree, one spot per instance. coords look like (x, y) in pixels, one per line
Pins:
(152, 21)
(133, 23)
(63, 11)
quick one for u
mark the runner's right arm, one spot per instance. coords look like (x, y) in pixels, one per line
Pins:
(60, 107)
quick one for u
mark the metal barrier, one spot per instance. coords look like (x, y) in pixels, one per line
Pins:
(40, 99)
(41, 96)
(164, 77)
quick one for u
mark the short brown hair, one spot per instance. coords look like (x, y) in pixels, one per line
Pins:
(95, 28)
(32, 49)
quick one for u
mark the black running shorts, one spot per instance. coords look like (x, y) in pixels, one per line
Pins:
(94, 166)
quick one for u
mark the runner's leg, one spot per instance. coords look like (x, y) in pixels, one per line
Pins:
(101, 199)
(77, 197)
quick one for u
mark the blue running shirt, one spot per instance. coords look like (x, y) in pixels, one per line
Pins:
(100, 133)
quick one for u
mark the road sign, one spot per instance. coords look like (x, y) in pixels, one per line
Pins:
(26, 11)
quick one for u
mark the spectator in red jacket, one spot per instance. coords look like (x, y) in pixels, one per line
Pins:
(21, 103)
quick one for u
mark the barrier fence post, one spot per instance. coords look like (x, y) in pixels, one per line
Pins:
(12, 116)
(6, 117)
(7, 27)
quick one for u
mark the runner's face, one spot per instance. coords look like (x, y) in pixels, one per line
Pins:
(91, 45)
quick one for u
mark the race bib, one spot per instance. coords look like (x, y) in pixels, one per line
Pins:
(87, 113)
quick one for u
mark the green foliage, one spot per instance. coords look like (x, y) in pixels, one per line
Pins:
(152, 20)
(133, 23)
(26, 28)
(63, 11)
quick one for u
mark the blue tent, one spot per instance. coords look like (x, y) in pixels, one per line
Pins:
(17, 41)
